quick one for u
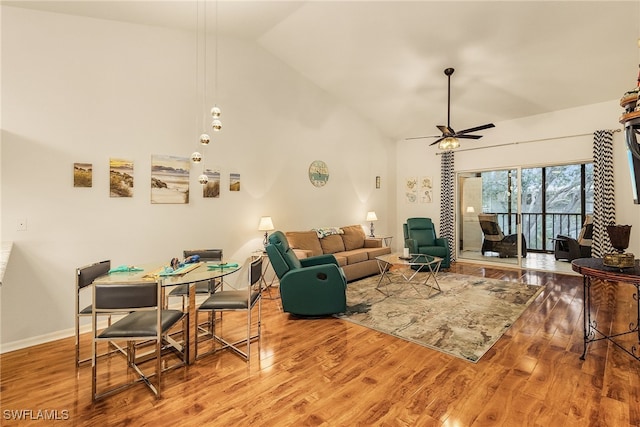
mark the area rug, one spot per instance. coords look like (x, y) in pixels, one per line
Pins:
(464, 320)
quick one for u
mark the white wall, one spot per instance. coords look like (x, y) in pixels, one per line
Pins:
(84, 90)
(419, 159)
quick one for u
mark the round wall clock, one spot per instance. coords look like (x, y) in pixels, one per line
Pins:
(318, 173)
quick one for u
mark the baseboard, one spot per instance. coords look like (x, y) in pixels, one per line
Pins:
(57, 335)
(41, 339)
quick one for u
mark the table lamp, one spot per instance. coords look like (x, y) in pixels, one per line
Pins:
(371, 216)
(266, 225)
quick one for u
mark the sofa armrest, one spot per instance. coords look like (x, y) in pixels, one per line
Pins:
(302, 253)
(319, 260)
(372, 243)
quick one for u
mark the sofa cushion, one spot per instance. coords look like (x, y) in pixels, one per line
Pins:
(307, 240)
(353, 237)
(357, 255)
(374, 252)
(332, 244)
(372, 243)
(342, 260)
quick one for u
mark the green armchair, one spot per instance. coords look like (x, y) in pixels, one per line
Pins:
(420, 238)
(314, 286)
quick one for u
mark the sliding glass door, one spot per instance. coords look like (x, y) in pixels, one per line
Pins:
(506, 214)
(489, 210)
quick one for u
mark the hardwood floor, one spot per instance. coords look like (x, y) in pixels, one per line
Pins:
(329, 372)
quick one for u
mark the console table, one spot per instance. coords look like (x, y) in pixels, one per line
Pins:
(594, 269)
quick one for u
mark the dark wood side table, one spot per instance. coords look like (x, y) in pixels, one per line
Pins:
(594, 269)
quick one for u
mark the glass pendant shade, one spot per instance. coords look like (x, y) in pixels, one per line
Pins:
(216, 125)
(449, 143)
(205, 139)
(196, 157)
(203, 179)
(216, 112)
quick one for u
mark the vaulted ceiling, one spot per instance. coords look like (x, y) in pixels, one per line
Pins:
(385, 59)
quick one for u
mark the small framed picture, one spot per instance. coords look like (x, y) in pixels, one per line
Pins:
(82, 174)
(120, 177)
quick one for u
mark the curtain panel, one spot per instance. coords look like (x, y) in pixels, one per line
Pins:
(447, 201)
(604, 206)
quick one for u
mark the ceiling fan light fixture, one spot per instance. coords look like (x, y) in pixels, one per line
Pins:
(449, 143)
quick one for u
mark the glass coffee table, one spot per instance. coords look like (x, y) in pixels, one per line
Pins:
(394, 266)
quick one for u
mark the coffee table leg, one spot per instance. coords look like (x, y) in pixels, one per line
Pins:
(433, 272)
(384, 269)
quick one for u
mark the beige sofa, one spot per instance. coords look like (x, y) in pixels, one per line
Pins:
(354, 251)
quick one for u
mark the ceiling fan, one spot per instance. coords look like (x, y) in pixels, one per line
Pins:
(449, 138)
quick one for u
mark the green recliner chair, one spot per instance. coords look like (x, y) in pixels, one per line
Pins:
(314, 286)
(420, 238)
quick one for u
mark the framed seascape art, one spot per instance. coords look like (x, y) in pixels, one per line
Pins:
(120, 177)
(212, 188)
(82, 174)
(234, 182)
(169, 179)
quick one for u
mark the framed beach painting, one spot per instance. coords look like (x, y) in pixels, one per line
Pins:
(120, 177)
(169, 179)
(212, 188)
(82, 174)
(234, 182)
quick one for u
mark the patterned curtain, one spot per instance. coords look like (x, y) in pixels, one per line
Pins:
(447, 202)
(604, 207)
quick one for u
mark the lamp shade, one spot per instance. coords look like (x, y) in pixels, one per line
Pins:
(371, 216)
(265, 224)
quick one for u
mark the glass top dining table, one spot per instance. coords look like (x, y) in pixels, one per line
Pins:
(192, 274)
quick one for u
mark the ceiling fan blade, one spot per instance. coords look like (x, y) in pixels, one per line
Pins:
(469, 136)
(422, 137)
(487, 126)
(446, 130)
(436, 141)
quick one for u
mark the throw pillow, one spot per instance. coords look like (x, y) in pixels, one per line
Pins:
(332, 244)
(307, 240)
(353, 237)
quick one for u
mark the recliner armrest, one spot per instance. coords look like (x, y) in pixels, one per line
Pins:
(412, 245)
(319, 260)
(315, 290)
(442, 242)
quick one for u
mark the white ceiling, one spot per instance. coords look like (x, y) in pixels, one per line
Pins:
(385, 59)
